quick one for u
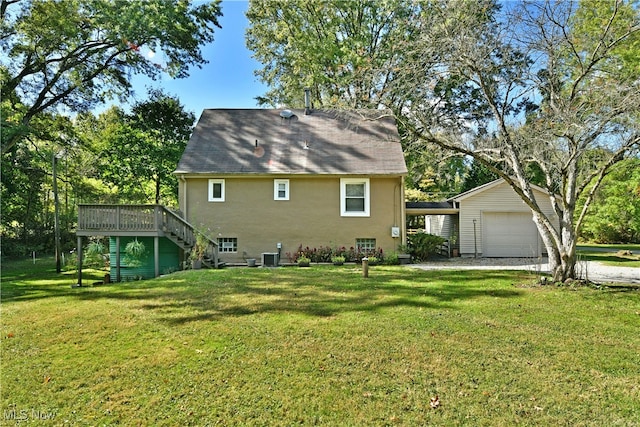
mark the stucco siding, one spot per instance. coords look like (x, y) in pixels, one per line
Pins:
(500, 198)
(310, 217)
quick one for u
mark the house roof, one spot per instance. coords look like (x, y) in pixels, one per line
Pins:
(264, 141)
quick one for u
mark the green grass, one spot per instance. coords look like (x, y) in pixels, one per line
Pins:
(321, 345)
(614, 255)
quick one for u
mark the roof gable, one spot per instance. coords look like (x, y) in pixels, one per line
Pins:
(262, 141)
(487, 187)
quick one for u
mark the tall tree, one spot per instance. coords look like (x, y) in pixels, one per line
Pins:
(614, 216)
(26, 186)
(138, 152)
(73, 54)
(346, 53)
(531, 87)
(342, 50)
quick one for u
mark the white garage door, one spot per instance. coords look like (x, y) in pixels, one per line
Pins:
(509, 234)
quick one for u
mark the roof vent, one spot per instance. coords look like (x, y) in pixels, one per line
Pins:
(286, 114)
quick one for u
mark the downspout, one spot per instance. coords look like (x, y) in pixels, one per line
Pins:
(403, 213)
(184, 200)
(182, 205)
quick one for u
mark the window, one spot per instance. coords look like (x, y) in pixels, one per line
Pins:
(216, 190)
(366, 245)
(354, 197)
(228, 244)
(280, 189)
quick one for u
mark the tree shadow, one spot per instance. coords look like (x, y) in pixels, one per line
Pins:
(216, 295)
(611, 258)
(289, 291)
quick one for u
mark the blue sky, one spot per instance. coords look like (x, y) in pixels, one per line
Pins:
(227, 81)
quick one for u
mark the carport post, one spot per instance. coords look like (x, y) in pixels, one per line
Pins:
(475, 240)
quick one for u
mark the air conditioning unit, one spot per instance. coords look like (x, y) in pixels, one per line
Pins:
(270, 259)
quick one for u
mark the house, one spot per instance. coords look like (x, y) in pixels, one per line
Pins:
(489, 221)
(265, 181)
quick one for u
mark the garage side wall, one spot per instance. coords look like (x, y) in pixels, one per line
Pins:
(498, 199)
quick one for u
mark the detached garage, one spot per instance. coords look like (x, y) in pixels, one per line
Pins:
(495, 222)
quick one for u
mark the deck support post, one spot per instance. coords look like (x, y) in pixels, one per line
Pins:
(118, 275)
(79, 250)
(156, 255)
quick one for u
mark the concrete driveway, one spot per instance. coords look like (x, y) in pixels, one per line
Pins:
(590, 270)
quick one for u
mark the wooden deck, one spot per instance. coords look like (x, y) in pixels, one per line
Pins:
(125, 220)
(141, 221)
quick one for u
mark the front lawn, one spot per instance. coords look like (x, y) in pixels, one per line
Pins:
(627, 255)
(319, 345)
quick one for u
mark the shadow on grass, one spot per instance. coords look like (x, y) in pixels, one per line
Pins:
(25, 280)
(214, 295)
(609, 258)
(321, 292)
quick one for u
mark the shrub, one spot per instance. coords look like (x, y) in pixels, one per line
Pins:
(303, 261)
(391, 259)
(326, 254)
(423, 245)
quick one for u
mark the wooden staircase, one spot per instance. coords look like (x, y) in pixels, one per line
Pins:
(186, 237)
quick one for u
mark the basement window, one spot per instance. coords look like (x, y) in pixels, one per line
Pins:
(228, 244)
(366, 245)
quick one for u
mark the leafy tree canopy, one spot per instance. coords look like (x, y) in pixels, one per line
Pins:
(74, 54)
(138, 152)
(342, 50)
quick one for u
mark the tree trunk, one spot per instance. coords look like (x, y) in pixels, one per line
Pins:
(157, 191)
(562, 253)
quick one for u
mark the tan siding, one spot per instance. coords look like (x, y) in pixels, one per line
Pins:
(500, 198)
(310, 217)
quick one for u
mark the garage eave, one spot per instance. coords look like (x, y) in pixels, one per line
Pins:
(432, 211)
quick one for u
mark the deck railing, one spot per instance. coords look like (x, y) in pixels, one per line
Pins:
(132, 219)
(120, 218)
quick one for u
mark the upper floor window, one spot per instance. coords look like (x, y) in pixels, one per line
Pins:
(216, 190)
(280, 189)
(354, 197)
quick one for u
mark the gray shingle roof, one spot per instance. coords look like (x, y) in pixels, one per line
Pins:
(337, 142)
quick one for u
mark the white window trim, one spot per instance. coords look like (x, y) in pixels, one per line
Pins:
(343, 198)
(210, 187)
(277, 182)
